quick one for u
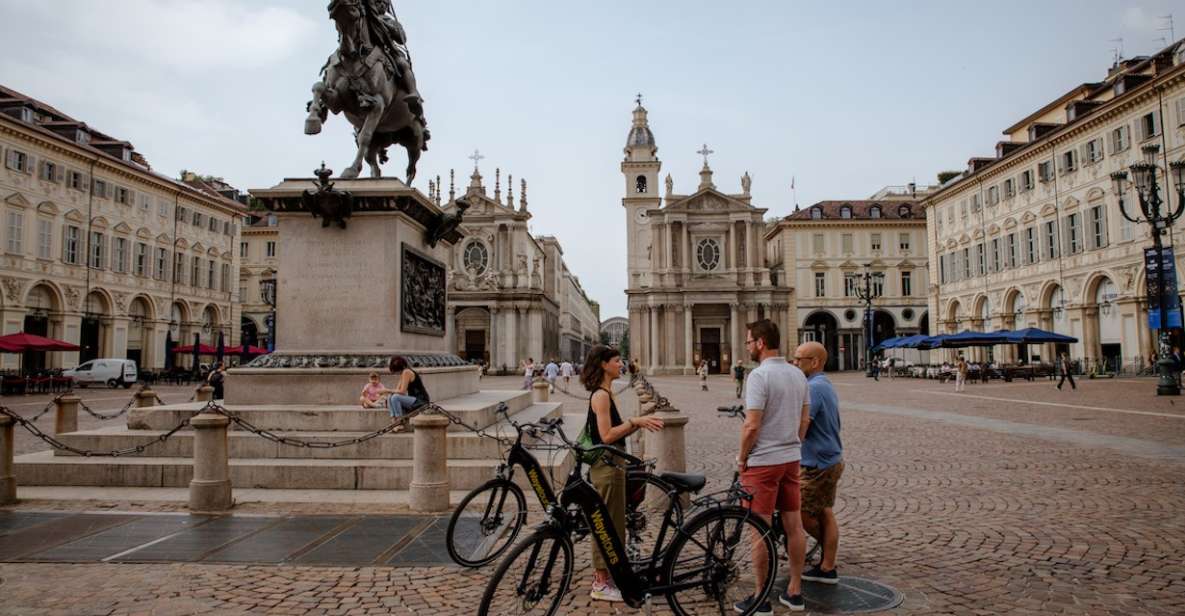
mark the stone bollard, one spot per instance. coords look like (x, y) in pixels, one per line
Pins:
(7, 480)
(209, 490)
(429, 475)
(205, 393)
(145, 398)
(66, 419)
(540, 392)
(668, 444)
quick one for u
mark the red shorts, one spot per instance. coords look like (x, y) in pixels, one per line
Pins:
(772, 487)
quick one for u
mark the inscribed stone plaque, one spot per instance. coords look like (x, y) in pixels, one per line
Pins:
(422, 290)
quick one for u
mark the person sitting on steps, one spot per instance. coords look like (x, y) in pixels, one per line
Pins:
(409, 395)
(372, 396)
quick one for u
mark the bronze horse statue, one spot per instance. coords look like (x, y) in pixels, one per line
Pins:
(370, 80)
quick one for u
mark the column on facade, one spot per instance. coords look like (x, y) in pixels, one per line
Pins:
(671, 358)
(655, 350)
(492, 338)
(686, 248)
(1133, 350)
(790, 331)
(510, 347)
(1090, 332)
(72, 333)
(535, 337)
(688, 339)
(735, 334)
(730, 264)
(641, 344)
(450, 330)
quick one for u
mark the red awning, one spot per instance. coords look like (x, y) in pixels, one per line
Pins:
(251, 350)
(203, 349)
(17, 343)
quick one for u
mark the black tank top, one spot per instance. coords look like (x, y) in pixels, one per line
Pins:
(614, 420)
(417, 390)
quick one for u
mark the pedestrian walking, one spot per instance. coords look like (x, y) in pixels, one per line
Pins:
(777, 414)
(1066, 370)
(528, 372)
(875, 365)
(738, 374)
(822, 461)
(550, 372)
(567, 371)
(703, 375)
(961, 370)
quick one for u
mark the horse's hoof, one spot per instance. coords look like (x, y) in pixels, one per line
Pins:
(349, 174)
(312, 126)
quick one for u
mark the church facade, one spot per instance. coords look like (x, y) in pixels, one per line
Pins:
(696, 265)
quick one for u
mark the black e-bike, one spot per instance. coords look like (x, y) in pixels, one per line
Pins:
(706, 566)
(489, 519)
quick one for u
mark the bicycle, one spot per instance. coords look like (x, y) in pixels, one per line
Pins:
(489, 518)
(704, 561)
(813, 548)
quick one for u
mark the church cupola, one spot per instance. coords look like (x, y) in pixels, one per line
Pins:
(640, 145)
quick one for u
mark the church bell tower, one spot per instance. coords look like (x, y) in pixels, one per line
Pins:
(640, 170)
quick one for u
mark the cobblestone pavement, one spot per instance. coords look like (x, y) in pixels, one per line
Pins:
(1009, 499)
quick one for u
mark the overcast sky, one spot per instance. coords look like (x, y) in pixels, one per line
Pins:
(844, 97)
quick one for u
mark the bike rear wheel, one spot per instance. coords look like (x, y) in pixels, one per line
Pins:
(533, 578)
(715, 554)
(485, 523)
(647, 501)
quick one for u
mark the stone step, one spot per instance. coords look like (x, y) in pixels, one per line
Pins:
(476, 409)
(242, 444)
(45, 469)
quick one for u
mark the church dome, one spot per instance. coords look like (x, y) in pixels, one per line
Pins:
(640, 134)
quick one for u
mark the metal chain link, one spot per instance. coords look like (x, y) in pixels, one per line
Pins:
(106, 416)
(453, 419)
(212, 407)
(86, 453)
(48, 407)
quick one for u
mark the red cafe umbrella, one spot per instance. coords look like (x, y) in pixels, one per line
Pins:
(203, 349)
(17, 343)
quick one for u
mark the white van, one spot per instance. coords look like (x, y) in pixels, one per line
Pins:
(112, 372)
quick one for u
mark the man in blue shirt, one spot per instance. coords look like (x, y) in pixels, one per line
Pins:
(822, 461)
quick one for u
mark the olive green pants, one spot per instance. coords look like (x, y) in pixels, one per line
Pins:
(610, 484)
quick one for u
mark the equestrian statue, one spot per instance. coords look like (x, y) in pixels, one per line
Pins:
(370, 79)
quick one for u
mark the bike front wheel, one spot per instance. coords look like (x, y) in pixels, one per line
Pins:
(712, 560)
(533, 578)
(486, 523)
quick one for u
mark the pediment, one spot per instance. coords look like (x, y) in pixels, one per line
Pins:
(708, 200)
(47, 207)
(1048, 210)
(75, 216)
(1095, 194)
(198, 247)
(952, 242)
(227, 255)
(876, 263)
(904, 264)
(993, 229)
(163, 238)
(820, 264)
(849, 265)
(144, 233)
(1028, 217)
(213, 252)
(977, 234)
(18, 200)
(1070, 203)
(481, 205)
(182, 243)
(1010, 223)
(99, 222)
(122, 228)
(965, 239)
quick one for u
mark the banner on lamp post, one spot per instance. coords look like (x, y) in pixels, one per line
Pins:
(1161, 282)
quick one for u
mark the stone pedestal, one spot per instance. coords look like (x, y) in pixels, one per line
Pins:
(540, 391)
(347, 300)
(210, 490)
(668, 444)
(205, 393)
(429, 482)
(7, 480)
(145, 398)
(66, 418)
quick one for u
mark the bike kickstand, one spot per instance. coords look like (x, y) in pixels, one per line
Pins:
(646, 607)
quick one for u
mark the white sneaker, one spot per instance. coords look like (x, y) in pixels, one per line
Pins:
(605, 592)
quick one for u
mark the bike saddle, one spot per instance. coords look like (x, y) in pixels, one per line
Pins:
(684, 482)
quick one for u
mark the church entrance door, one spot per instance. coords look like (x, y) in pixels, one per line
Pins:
(475, 344)
(709, 339)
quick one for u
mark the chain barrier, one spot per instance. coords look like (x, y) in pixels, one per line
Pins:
(453, 419)
(211, 407)
(105, 416)
(48, 407)
(86, 453)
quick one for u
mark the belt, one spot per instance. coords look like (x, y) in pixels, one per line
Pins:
(809, 468)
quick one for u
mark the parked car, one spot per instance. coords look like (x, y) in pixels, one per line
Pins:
(111, 372)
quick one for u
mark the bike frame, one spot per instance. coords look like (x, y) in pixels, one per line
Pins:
(521, 456)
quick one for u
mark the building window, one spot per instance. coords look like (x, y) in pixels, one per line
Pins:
(1074, 222)
(975, 204)
(818, 243)
(70, 247)
(1045, 171)
(225, 277)
(876, 242)
(178, 267)
(1093, 150)
(50, 171)
(850, 283)
(243, 249)
(707, 254)
(271, 249)
(17, 161)
(1149, 125)
(874, 212)
(1051, 251)
(963, 209)
(162, 208)
(213, 227)
(1069, 161)
(845, 212)
(995, 254)
(195, 273)
(906, 284)
(980, 261)
(476, 258)
(16, 232)
(211, 276)
(141, 268)
(145, 202)
(1026, 180)
(993, 195)
(1031, 250)
(904, 212)
(846, 239)
(1010, 250)
(903, 241)
(942, 268)
(966, 257)
(820, 284)
(162, 264)
(197, 219)
(640, 184)
(877, 284)
(1009, 188)
(101, 189)
(816, 213)
(96, 251)
(1098, 227)
(1121, 138)
(182, 214)
(44, 238)
(119, 255)
(75, 180)
(123, 196)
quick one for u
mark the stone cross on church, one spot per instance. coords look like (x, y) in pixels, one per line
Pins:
(476, 157)
(705, 152)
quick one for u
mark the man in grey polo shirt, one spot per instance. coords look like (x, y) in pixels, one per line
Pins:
(777, 412)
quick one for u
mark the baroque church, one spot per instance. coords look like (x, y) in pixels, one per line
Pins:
(512, 297)
(697, 265)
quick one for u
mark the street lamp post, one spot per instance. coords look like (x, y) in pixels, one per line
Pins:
(866, 293)
(1160, 215)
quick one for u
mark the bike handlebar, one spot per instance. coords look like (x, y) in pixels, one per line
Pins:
(737, 410)
(606, 448)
